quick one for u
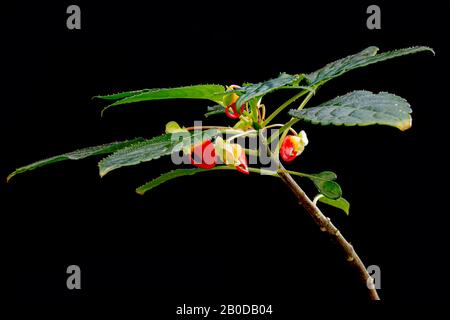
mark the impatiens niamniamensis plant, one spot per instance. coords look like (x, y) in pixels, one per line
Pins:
(210, 148)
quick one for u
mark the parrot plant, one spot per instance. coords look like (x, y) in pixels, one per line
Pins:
(213, 147)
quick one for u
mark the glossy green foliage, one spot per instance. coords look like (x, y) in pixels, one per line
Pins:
(208, 91)
(340, 203)
(324, 182)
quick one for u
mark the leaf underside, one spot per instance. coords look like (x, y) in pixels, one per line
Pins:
(213, 110)
(152, 149)
(262, 88)
(209, 91)
(361, 59)
(166, 177)
(77, 155)
(360, 108)
(340, 203)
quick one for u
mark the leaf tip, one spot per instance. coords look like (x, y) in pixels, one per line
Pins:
(431, 50)
(339, 203)
(9, 177)
(405, 125)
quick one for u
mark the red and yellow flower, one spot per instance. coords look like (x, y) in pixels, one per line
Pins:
(206, 155)
(231, 109)
(292, 146)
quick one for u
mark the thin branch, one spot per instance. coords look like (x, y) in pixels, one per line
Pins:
(327, 226)
(283, 106)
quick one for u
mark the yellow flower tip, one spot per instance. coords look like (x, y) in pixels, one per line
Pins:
(299, 142)
(231, 153)
(230, 99)
(303, 138)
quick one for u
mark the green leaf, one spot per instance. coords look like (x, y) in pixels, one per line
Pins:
(262, 88)
(166, 177)
(325, 175)
(208, 91)
(364, 58)
(213, 110)
(360, 108)
(152, 149)
(340, 203)
(77, 155)
(121, 95)
(325, 184)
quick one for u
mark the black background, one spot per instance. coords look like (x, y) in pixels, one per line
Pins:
(198, 239)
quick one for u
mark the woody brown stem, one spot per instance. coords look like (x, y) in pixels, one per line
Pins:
(327, 226)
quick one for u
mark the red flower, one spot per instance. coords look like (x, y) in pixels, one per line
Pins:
(293, 146)
(236, 114)
(242, 165)
(230, 102)
(203, 155)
